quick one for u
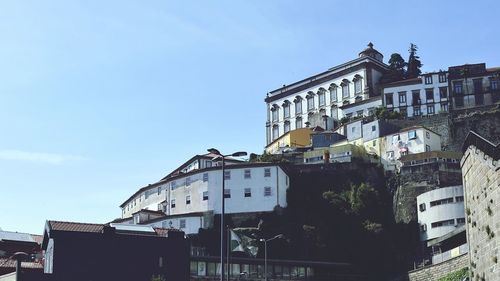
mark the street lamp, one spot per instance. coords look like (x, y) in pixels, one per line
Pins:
(222, 157)
(265, 252)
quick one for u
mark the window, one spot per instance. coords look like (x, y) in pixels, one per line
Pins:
(227, 193)
(494, 84)
(427, 135)
(334, 112)
(267, 191)
(173, 185)
(275, 132)
(444, 107)
(402, 97)
(274, 112)
(427, 148)
(461, 221)
(182, 223)
(310, 102)
(421, 207)
(205, 177)
(443, 92)
(248, 192)
(267, 172)
(442, 201)
(333, 93)
(348, 115)
(345, 90)
(388, 99)
(188, 199)
(395, 139)
(298, 106)
(374, 128)
(428, 79)
(188, 181)
(423, 227)
(429, 94)
(286, 127)
(227, 175)
(359, 113)
(286, 110)
(205, 195)
(442, 77)
(321, 97)
(430, 109)
(298, 123)
(416, 111)
(248, 174)
(390, 155)
(412, 134)
(443, 223)
(353, 129)
(416, 97)
(357, 86)
(458, 87)
(478, 85)
(459, 199)
(172, 203)
(374, 143)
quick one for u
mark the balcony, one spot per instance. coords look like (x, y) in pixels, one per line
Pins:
(416, 102)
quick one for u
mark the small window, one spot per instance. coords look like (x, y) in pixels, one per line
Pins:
(428, 79)
(395, 139)
(388, 99)
(359, 113)
(459, 199)
(443, 92)
(416, 111)
(267, 191)
(298, 123)
(248, 174)
(461, 221)
(205, 195)
(374, 128)
(353, 129)
(430, 109)
(427, 148)
(227, 193)
(182, 223)
(442, 77)
(412, 134)
(429, 94)
(374, 143)
(421, 207)
(188, 181)
(444, 107)
(402, 97)
(205, 177)
(286, 127)
(159, 190)
(267, 172)
(423, 227)
(172, 203)
(160, 261)
(227, 175)
(188, 199)
(248, 192)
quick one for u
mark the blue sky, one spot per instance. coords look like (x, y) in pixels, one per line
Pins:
(99, 98)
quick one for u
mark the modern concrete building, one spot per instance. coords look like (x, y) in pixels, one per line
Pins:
(440, 211)
(345, 90)
(421, 96)
(408, 141)
(481, 177)
(473, 85)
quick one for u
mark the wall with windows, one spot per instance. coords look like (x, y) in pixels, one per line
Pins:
(425, 95)
(440, 211)
(189, 224)
(408, 141)
(362, 108)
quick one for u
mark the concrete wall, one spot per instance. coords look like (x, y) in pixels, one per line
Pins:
(481, 177)
(436, 271)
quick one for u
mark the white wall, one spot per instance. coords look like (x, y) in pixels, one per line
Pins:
(192, 223)
(441, 212)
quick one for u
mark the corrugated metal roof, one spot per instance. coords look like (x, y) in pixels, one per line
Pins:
(16, 236)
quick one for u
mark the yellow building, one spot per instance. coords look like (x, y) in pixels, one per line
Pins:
(337, 153)
(295, 138)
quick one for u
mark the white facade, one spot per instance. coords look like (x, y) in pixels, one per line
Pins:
(249, 188)
(425, 95)
(189, 223)
(408, 141)
(290, 107)
(440, 211)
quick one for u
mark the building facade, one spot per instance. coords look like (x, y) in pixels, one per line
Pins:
(440, 211)
(421, 96)
(331, 93)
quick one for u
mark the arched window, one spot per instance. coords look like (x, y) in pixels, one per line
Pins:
(310, 101)
(298, 123)
(275, 132)
(275, 113)
(333, 92)
(321, 97)
(286, 127)
(345, 88)
(358, 99)
(286, 109)
(298, 105)
(334, 113)
(358, 85)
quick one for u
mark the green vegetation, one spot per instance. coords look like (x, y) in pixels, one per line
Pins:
(158, 278)
(458, 275)
(266, 157)
(383, 114)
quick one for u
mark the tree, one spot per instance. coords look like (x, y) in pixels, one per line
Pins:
(397, 69)
(414, 63)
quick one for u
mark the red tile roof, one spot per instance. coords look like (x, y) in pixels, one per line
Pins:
(9, 263)
(75, 226)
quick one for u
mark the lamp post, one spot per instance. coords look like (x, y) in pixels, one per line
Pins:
(222, 157)
(19, 256)
(265, 252)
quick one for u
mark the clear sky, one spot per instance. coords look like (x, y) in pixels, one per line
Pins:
(99, 98)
